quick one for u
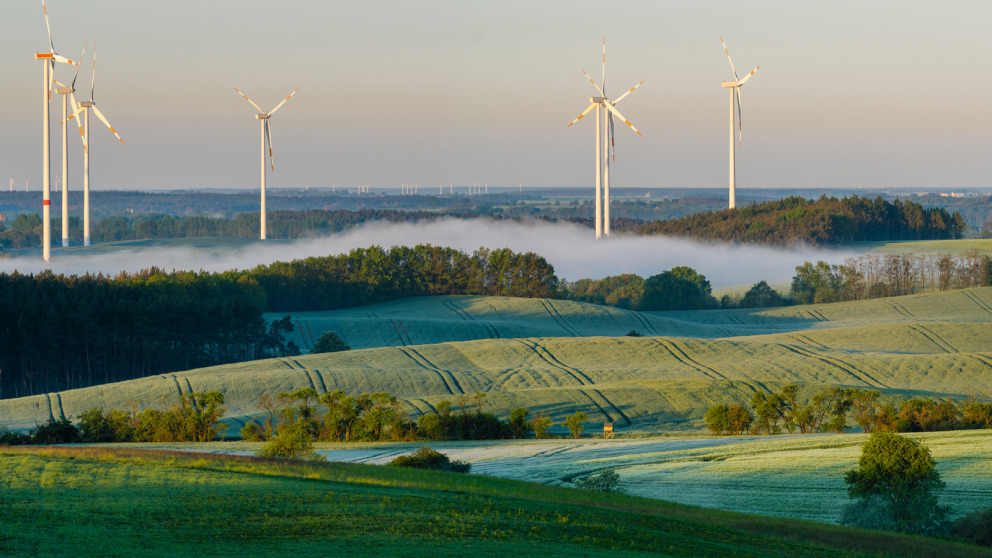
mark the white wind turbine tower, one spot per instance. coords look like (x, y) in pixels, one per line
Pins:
(50, 58)
(604, 107)
(68, 94)
(84, 131)
(734, 86)
(266, 138)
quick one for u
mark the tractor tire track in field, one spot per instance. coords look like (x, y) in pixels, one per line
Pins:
(978, 301)
(58, 397)
(900, 309)
(549, 358)
(189, 386)
(179, 388)
(428, 365)
(398, 334)
(610, 403)
(51, 412)
(648, 326)
(310, 380)
(558, 318)
(404, 337)
(465, 316)
(428, 405)
(681, 356)
(836, 363)
(299, 326)
(934, 338)
(982, 359)
(309, 332)
(806, 340)
(323, 386)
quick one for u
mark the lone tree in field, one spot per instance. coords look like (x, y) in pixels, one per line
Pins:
(896, 486)
(574, 423)
(329, 342)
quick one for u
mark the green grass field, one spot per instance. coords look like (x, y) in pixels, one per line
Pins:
(105, 502)
(929, 345)
(983, 246)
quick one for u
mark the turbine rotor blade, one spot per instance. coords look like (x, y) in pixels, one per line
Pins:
(594, 84)
(104, 120)
(76, 109)
(93, 77)
(629, 91)
(592, 106)
(740, 122)
(268, 141)
(77, 68)
(747, 77)
(604, 66)
(271, 112)
(48, 26)
(612, 109)
(249, 100)
(728, 58)
(610, 145)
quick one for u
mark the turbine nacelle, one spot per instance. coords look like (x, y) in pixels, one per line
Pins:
(598, 99)
(262, 116)
(730, 84)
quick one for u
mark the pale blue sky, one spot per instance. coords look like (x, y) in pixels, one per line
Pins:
(849, 93)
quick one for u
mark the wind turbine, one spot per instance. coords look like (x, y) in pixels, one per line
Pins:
(734, 86)
(84, 130)
(50, 58)
(604, 107)
(68, 93)
(266, 138)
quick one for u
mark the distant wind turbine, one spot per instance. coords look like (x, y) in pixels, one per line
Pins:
(68, 94)
(86, 107)
(266, 139)
(734, 86)
(603, 103)
(50, 58)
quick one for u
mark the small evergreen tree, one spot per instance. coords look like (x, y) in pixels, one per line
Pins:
(329, 342)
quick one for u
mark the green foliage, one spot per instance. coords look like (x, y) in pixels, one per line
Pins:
(896, 487)
(574, 422)
(59, 431)
(761, 296)
(976, 527)
(294, 441)
(519, 423)
(541, 425)
(11, 438)
(680, 288)
(329, 342)
(427, 458)
(605, 481)
(634, 333)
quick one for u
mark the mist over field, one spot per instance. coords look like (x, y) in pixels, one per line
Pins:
(569, 247)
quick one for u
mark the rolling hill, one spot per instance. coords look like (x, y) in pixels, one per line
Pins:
(556, 357)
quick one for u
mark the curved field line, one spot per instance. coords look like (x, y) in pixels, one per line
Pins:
(299, 326)
(51, 412)
(615, 408)
(978, 301)
(806, 340)
(58, 396)
(454, 380)
(309, 332)
(899, 309)
(398, 334)
(405, 334)
(320, 377)
(429, 406)
(982, 359)
(685, 359)
(835, 362)
(549, 358)
(428, 366)
(934, 338)
(558, 318)
(416, 407)
(461, 313)
(648, 328)
(179, 388)
(310, 379)
(288, 365)
(189, 386)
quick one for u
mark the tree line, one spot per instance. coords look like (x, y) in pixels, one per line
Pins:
(65, 332)
(826, 221)
(877, 276)
(832, 409)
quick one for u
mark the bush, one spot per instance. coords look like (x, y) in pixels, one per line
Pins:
(8, 438)
(896, 486)
(55, 432)
(427, 458)
(604, 481)
(634, 333)
(975, 527)
(574, 423)
(293, 442)
(329, 342)
(518, 422)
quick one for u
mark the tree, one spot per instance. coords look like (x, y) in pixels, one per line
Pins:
(716, 418)
(604, 481)
(680, 288)
(329, 342)
(761, 296)
(895, 486)
(574, 423)
(518, 422)
(540, 425)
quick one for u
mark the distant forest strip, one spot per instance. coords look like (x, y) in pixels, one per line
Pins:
(825, 221)
(62, 332)
(792, 220)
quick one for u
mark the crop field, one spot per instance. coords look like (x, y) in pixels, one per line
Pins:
(931, 345)
(982, 246)
(120, 502)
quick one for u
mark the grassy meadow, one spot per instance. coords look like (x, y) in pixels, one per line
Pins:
(121, 502)
(927, 345)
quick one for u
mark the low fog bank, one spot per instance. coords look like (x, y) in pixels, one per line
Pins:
(570, 248)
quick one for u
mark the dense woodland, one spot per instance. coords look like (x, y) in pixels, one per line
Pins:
(826, 221)
(63, 332)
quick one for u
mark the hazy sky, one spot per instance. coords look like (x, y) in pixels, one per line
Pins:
(881, 93)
